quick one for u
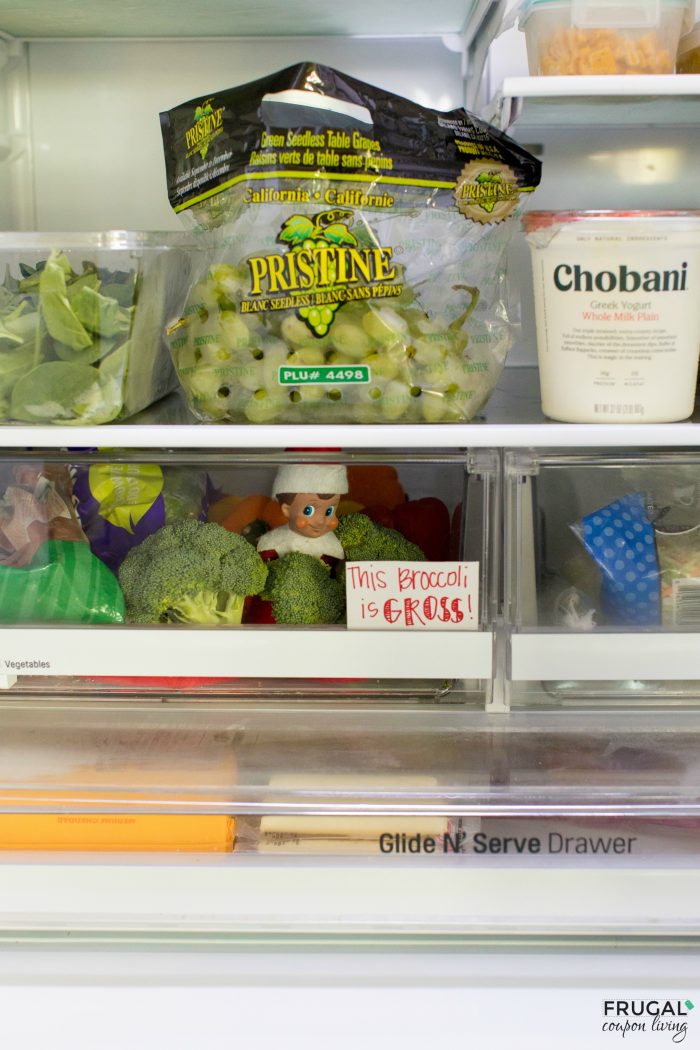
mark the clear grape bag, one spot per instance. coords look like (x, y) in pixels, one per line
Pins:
(357, 268)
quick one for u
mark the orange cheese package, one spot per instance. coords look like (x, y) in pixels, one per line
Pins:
(118, 832)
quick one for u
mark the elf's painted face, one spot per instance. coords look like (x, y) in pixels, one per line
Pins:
(312, 515)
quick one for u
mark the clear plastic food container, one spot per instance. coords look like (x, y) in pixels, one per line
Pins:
(616, 310)
(590, 37)
(689, 51)
(602, 576)
(82, 317)
(266, 549)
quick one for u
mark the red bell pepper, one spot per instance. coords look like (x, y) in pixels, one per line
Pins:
(381, 515)
(425, 522)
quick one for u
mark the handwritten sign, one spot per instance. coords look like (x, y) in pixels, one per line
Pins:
(412, 595)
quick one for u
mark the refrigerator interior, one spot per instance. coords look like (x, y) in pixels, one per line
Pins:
(81, 150)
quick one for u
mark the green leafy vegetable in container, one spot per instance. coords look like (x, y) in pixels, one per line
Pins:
(79, 342)
(61, 371)
(365, 540)
(191, 572)
(303, 591)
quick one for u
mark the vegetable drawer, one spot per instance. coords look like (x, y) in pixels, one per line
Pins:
(603, 576)
(298, 574)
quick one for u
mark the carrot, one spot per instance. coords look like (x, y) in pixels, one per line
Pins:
(253, 508)
(375, 484)
(222, 508)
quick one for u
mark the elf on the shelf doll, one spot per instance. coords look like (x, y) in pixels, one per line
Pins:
(308, 494)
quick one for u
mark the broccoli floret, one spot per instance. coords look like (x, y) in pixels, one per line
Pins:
(190, 572)
(302, 590)
(365, 540)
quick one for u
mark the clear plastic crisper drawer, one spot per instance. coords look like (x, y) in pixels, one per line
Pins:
(301, 574)
(603, 576)
(433, 785)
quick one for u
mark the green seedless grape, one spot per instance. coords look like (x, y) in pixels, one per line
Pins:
(250, 374)
(333, 357)
(310, 393)
(384, 365)
(427, 353)
(432, 406)
(203, 328)
(275, 356)
(234, 331)
(204, 383)
(295, 332)
(426, 327)
(229, 285)
(385, 326)
(457, 404)
(365, 401)
(350, 340)
(263, 407)
(407, 297)
(186, 359)
(253, 324)
(215, 355)
(214, 408)
(395, 401)
(202, 300)
(310, 355)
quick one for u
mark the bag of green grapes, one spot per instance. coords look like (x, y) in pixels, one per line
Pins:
(358, 268)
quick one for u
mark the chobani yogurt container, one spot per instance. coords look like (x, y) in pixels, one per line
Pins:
(617, 309)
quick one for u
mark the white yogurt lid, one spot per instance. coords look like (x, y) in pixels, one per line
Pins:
(535, 222)
(542, 226)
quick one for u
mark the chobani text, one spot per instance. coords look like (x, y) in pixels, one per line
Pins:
(568, 278)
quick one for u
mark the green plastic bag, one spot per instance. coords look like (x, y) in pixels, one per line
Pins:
(63, 583)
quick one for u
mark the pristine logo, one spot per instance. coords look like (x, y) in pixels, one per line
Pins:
(324, 267)
(632, 1016)
(208, 123)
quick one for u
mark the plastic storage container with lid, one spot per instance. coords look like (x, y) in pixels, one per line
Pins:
(592, 37)
(82, 319)
(689, 51)
(616, 310)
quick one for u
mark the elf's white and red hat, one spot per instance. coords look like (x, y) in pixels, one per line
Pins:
(311, 477)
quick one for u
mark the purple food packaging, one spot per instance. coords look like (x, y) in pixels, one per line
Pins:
(120, 504)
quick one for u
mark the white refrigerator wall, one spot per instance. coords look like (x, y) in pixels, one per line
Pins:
(95, 134)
